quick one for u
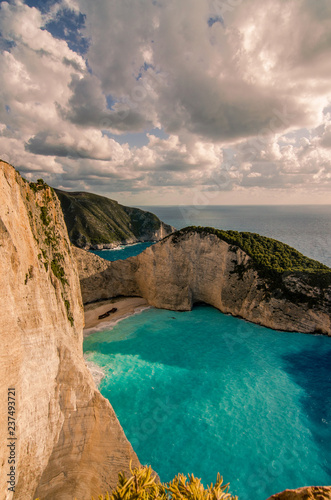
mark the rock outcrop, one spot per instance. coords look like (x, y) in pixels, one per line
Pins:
(191, 266)
(307, 493)
(69, 442)
(98, 222)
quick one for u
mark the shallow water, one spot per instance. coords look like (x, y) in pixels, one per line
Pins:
(203, 392)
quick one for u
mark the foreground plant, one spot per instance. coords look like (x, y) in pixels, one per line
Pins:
(142, 485)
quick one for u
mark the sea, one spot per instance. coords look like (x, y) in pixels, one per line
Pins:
(201, 392)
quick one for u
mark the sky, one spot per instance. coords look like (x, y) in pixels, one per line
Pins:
(168, 102)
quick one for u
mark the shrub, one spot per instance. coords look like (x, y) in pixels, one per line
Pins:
(69, 315)
(44, 217)
(142, 485)
(58, 271)
(38, 186)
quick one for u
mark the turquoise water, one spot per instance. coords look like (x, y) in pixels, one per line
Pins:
(203, 392)
(123, 251)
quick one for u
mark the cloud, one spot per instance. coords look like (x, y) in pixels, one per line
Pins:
(240, 91)
(35, 73)
(222, 84)
(325, 139)
(88, 107)
(62, 145)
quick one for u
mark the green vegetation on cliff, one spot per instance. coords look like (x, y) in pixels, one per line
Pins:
(39, 197)
(92, 219)
(267, 253)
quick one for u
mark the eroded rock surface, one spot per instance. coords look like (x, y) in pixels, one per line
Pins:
(308, 493)
(69, 442)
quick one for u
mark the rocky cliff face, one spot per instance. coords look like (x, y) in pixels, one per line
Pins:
(308, 493)
(68, 440)
(97, 222)
(185, 269)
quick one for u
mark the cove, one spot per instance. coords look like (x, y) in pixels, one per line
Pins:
(122, 251)
(202, 392)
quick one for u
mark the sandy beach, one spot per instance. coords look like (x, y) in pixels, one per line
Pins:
(125, 306)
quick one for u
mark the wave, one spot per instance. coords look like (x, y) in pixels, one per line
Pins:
(97, 372)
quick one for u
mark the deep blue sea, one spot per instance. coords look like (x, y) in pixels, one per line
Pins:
(201, 392)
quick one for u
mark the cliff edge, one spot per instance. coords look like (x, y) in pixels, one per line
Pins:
(242, 274)
(306, 493)
(67, 441)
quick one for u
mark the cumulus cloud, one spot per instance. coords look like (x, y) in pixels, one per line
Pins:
(325, 139)
(88, 107)
(89, 144)
(221, 82)
(239, 89)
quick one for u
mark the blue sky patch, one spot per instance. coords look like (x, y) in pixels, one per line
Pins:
(136, 139)
(144, 68)
(110, 101)
(67, 26)
(88, 67)
(42, 5)
(6, 44)
(159, 132)
(217, 19)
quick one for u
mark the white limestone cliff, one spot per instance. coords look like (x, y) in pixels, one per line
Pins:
(69, 442)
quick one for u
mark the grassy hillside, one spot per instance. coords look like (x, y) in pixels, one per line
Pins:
(92, 219)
